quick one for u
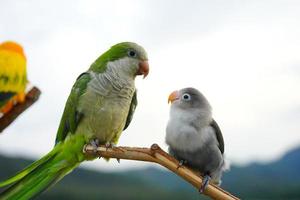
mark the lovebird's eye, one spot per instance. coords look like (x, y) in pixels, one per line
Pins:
(131, 53)
(186, 97)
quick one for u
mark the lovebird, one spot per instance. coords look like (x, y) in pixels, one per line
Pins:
(193, 136)
(13, 77)
(100, 106)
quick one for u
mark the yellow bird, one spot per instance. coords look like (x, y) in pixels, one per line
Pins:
(13, 77)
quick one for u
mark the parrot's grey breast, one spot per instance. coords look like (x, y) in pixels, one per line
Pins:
(111, 84)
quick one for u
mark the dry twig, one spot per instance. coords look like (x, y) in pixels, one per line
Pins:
(31, 97)
(157, 155)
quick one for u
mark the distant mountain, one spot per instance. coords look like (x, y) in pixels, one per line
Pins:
(275, 180)
(88, 184)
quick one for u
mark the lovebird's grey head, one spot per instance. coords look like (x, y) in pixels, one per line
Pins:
(188, 99)
(130, 56)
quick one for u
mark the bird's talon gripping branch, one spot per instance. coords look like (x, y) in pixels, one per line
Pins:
(95, 144)
(181, 163)
(109, 145)
(205, 183)
(113, 146)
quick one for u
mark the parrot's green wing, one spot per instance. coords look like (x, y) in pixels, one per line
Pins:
(71, 116)
(133, 105)
(218, 134)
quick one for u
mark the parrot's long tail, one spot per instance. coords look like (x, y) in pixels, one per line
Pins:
(38, 176)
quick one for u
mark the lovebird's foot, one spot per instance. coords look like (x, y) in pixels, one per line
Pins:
(205, 183)
(181, 163)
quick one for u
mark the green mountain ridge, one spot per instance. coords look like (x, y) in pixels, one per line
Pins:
(276, 180)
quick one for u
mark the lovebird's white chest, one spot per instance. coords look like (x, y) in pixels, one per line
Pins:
(183, 132)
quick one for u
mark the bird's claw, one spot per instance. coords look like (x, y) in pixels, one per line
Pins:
(95, 144)
(205, 183)
(109, 145)
(112, 145)
(181, 163)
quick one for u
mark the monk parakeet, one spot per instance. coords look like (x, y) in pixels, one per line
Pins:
(193, 136)
(13, 78)
(99, 107)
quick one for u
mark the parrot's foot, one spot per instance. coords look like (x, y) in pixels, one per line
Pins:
(205, 183)
(181, 163)
(112, 145)
(109, 145)
(95, 144)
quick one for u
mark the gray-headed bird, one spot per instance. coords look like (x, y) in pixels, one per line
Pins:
(193, 136)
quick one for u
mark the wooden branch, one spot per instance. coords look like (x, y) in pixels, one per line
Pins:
(157, 155)
(31, 97)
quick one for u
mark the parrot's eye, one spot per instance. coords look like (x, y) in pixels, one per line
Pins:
(131, 53)
(186, 97)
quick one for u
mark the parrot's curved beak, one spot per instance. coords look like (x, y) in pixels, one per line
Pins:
(143, 68)
(173, 96)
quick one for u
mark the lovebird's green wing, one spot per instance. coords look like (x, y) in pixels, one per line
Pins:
(133, 105)
(71, 116)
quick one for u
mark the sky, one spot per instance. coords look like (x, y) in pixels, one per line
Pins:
(242, 55)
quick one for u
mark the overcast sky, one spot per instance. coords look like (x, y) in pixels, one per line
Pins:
(244, 56)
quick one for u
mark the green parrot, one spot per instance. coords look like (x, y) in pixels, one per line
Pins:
(99, 107)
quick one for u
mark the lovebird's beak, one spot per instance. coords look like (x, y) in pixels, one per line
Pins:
(173, 96)
(143, 68)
